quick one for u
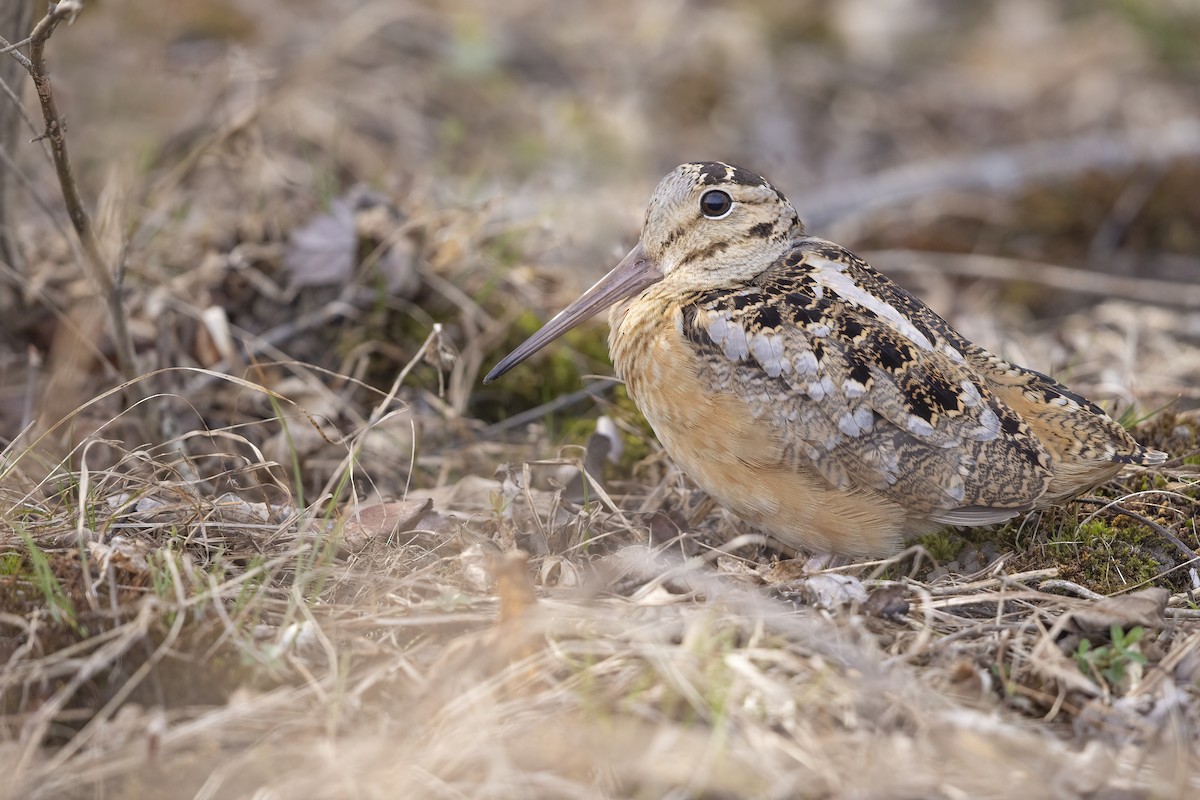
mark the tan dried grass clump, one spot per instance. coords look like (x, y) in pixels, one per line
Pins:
(231, 646)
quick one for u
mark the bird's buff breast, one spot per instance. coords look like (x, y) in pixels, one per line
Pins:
(696, 426)
(660, 373)
(716, 439)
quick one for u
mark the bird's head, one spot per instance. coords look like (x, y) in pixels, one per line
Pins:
(708, 224)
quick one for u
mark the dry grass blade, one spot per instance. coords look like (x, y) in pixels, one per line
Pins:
(351, 570)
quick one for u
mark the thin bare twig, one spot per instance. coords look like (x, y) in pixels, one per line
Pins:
(99, 271)
(12, 48)
(17, 16)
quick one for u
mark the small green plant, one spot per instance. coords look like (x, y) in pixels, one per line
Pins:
(1003, 675)
(499, 504)
(250, 587)
(160, 574)
(60, 606)
(10, 563)
(1112, 661)
(1131, 417)
(1096, 532)
(941, 545)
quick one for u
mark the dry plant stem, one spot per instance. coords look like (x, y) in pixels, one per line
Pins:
(15, 16)
(15, 174)
(98, 271)
(1060, 585)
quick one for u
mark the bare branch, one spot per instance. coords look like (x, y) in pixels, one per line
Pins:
(97, 269)
(15, 15)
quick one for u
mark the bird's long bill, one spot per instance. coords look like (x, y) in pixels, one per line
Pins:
(635, 272)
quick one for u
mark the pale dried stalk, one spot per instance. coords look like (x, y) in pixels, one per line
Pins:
(97, 269)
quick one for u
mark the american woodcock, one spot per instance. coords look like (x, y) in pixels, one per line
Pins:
(811, 395)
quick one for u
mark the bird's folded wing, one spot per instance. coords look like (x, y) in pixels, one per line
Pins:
(859, 389)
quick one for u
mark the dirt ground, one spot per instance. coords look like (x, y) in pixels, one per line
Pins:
(306, 553)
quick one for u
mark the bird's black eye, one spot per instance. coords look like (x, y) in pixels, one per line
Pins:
(715, 204)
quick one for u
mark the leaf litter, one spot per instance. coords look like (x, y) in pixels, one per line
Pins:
(338, 573)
